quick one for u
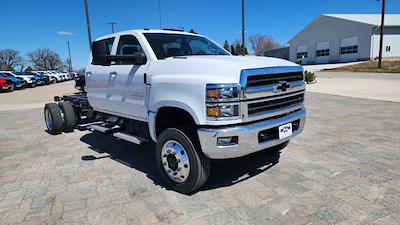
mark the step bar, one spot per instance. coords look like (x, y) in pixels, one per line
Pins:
(115, 132)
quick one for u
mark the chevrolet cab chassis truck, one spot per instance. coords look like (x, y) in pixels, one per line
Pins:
(184, 92)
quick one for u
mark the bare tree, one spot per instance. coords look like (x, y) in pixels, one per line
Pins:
(9, 59)
(261, 43)
(45, 59)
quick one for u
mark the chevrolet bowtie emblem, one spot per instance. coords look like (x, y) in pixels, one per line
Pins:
(281, 86)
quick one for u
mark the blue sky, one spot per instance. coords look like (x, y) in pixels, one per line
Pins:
(27, 25)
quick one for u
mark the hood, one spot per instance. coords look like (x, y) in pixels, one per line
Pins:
(243, 62)
(214, 68)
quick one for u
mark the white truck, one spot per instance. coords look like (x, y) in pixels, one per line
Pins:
(192, 98)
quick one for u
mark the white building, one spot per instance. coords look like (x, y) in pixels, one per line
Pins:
(344, 38)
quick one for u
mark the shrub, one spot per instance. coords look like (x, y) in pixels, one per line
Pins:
(309, 77)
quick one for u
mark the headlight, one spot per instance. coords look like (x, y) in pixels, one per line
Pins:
(223, 111)
(222, 92)
(222, 101)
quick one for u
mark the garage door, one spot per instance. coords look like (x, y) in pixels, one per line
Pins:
(322, 52)
(349, 49)
(302, 54)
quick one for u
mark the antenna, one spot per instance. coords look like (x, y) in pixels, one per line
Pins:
(112, 26)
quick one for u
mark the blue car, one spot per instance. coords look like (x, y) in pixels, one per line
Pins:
(17, 81)
(39, 80)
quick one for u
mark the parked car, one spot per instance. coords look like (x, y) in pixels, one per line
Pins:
(67, 75)
(18, 82)
(187, 94)
(55, 76)
(30, 80)
(38, 78)
(48, 77)
(60, 77)
(6, 84)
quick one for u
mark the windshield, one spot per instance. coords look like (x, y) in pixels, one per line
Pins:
(169, 45)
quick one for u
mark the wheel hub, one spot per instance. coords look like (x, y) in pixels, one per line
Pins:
(48, 119)
(175, 161)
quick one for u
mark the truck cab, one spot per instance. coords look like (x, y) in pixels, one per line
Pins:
(194, 99)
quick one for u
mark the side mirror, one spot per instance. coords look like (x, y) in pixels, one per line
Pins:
(100, 53)
(140, 59)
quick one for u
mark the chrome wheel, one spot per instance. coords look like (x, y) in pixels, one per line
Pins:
(48, 119)
(175, 161)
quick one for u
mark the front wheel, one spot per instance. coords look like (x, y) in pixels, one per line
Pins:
(180, 161)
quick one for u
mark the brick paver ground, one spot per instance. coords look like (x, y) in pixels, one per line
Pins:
(343, 169)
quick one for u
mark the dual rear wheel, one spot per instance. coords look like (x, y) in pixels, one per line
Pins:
(59, 117)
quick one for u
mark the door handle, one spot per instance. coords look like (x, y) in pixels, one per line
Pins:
(89, 74)
(113, 74)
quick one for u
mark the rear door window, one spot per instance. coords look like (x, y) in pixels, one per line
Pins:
(128, 45)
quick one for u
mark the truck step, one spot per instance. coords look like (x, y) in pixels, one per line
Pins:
(102, 129)
(131, 138)
(85, 126)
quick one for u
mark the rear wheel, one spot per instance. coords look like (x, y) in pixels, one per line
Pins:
(180, 161)
(53, 118)
(69, 116)
(33, 84)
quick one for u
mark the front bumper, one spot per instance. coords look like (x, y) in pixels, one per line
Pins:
(248, 140)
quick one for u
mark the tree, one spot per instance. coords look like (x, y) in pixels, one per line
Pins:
(227, 46)
(9, 59)
(45, 59)
(238, 48)
(28, 69)
(261, 43)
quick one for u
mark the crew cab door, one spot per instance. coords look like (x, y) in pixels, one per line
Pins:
(128, 91)
(97, 82)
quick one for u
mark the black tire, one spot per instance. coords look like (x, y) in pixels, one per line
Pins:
(32, 85)
(199, 163)
(53, 118)
(69, 116)
(12, 88)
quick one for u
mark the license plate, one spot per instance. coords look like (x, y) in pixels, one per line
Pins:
(285, 131)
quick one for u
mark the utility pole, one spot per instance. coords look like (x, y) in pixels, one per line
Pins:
(69, 59)
(88, 24)
(159, 12)
(382, 31)
(112, 26)
(243, 41)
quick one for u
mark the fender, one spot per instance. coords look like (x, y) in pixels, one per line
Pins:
(152, 115)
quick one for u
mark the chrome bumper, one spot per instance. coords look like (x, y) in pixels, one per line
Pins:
(247, 137)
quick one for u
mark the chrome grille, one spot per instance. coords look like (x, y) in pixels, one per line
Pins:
(268, 105)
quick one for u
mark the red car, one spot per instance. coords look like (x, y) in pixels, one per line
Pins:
(6, 84)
